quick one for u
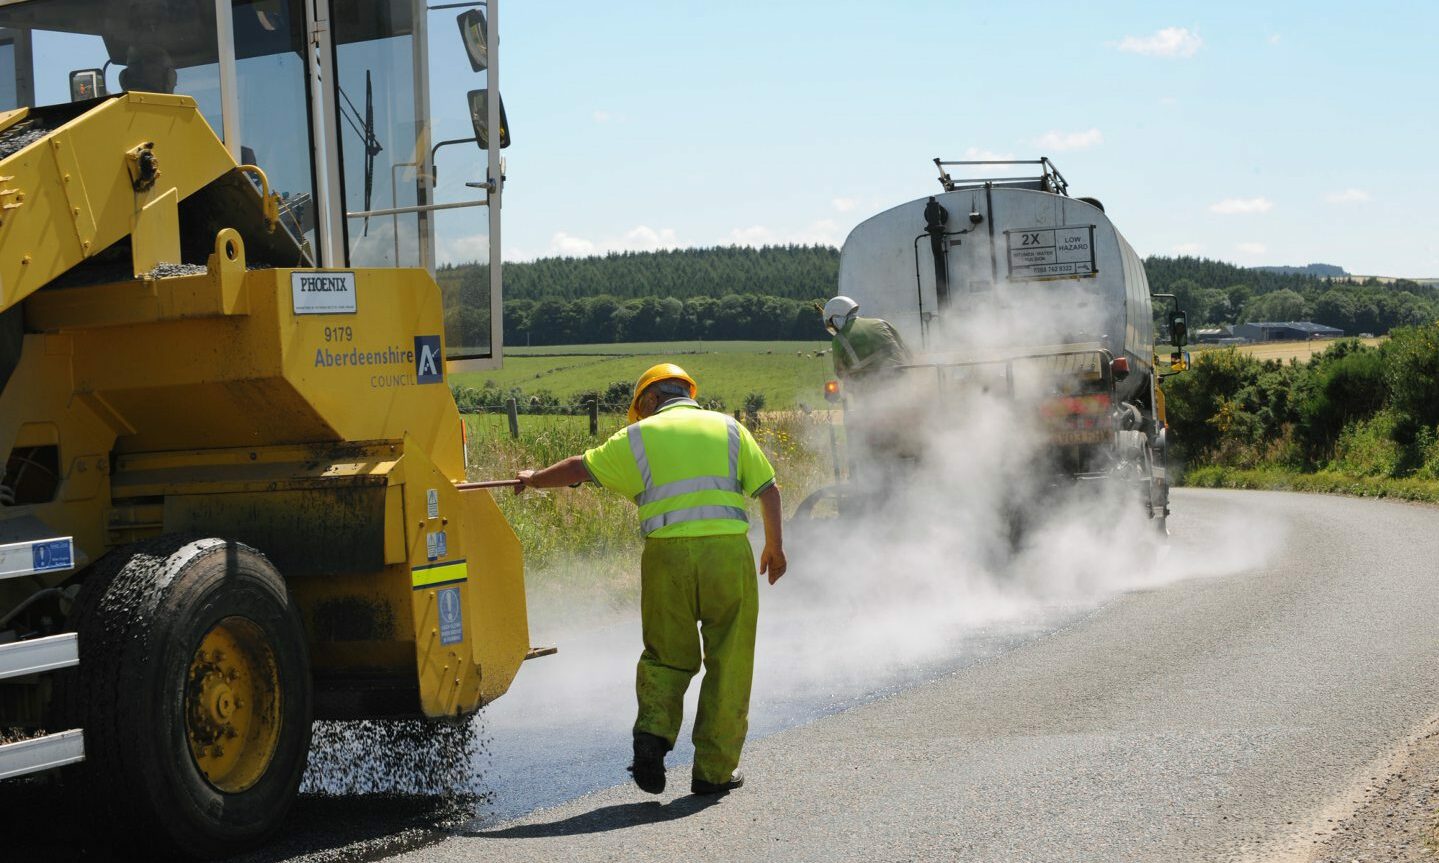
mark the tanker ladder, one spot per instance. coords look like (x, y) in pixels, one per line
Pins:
(37, 656)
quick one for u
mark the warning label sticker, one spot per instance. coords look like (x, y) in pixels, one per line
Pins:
(452, 623)
(436, 545)
(1047, 253)
(49, 555)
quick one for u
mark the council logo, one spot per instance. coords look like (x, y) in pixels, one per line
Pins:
(429, 365)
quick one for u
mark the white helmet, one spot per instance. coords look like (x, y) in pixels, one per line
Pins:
(837, 313)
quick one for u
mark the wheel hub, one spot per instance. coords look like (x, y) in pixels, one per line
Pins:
(232, 705)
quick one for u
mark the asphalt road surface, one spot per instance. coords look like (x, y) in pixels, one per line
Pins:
(1214, 718)
(1231, 703)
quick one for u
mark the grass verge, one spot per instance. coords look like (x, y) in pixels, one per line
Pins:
(1323, 482)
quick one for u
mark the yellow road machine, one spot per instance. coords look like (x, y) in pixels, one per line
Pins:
(231, 466)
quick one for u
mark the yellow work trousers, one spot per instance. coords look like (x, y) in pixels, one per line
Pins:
(709, 581)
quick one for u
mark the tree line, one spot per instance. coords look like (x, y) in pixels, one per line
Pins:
(601, 319)
(1215, 293)
(746, 293)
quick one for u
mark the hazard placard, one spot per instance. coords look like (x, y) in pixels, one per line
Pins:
(1050, 253)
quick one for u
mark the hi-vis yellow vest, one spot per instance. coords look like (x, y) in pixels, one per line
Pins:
(688, 470)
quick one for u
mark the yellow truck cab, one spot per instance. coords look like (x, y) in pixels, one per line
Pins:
(230, 460)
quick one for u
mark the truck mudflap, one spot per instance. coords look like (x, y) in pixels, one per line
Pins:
(39, 656)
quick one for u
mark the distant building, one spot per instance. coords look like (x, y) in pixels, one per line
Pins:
(1213, 335)
(1285, 331)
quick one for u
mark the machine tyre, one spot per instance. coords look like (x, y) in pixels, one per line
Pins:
(189, 649)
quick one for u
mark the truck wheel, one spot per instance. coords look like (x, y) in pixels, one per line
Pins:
(194, 694)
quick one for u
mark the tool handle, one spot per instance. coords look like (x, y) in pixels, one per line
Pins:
(493, 483)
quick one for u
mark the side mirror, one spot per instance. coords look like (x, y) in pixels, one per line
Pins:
(1178, 329)
(86, 84)
(475, 33)
(479, 117)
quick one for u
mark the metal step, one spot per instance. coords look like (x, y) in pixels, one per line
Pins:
(36, 556)
(39, 655)
(41, 753)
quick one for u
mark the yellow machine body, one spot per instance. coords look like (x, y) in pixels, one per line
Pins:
(304, 412)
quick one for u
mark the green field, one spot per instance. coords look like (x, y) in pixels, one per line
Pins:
(787, 373)
(1282, 351)
(669, 348)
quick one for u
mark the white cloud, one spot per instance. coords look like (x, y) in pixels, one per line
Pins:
(1241, 206)
(825, 232)
(602, 116)
(1274, 39)
(1188, 248)
(754, 235)
(566, 246)
(1060, 141)
(844, 205)
(1168, 101)
(975, 154)
(643, 238)
(1252, 248)
(1170, 42)
(640, 238)
(464, 250)
(1348, 196)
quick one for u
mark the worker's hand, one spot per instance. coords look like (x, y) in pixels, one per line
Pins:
(524, 478)
(772, 562)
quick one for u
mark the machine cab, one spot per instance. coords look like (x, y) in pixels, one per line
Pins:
(371, 118)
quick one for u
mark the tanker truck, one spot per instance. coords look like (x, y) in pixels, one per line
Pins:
(232, 472)
(1010, 286)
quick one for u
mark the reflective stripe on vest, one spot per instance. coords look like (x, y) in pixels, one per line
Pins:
(653, 493)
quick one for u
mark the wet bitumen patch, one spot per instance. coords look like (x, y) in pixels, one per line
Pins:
(357, 828)
(372, 789)
(351, 828)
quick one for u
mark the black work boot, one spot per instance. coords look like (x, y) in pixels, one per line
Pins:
(649, 764)
(699, 786)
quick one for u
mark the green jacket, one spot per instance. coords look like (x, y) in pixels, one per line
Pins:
(867, 346)
(689, 470)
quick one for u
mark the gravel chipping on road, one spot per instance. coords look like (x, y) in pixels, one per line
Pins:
(403, 757)
(1399, 823)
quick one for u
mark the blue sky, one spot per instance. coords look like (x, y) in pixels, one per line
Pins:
(1252, 133)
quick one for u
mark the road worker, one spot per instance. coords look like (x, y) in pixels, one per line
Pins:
(864, 348)
(689, 470)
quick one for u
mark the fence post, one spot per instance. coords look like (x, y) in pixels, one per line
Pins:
(594, 406)
(513, 410)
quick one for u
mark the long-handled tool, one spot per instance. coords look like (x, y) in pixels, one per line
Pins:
(492, 483)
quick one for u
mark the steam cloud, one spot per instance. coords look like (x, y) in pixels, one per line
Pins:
(965, 541)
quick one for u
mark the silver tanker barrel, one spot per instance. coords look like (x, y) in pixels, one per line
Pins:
(998, 280)
(1015, 265)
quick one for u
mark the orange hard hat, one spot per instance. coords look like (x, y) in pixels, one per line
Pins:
(653, 375)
